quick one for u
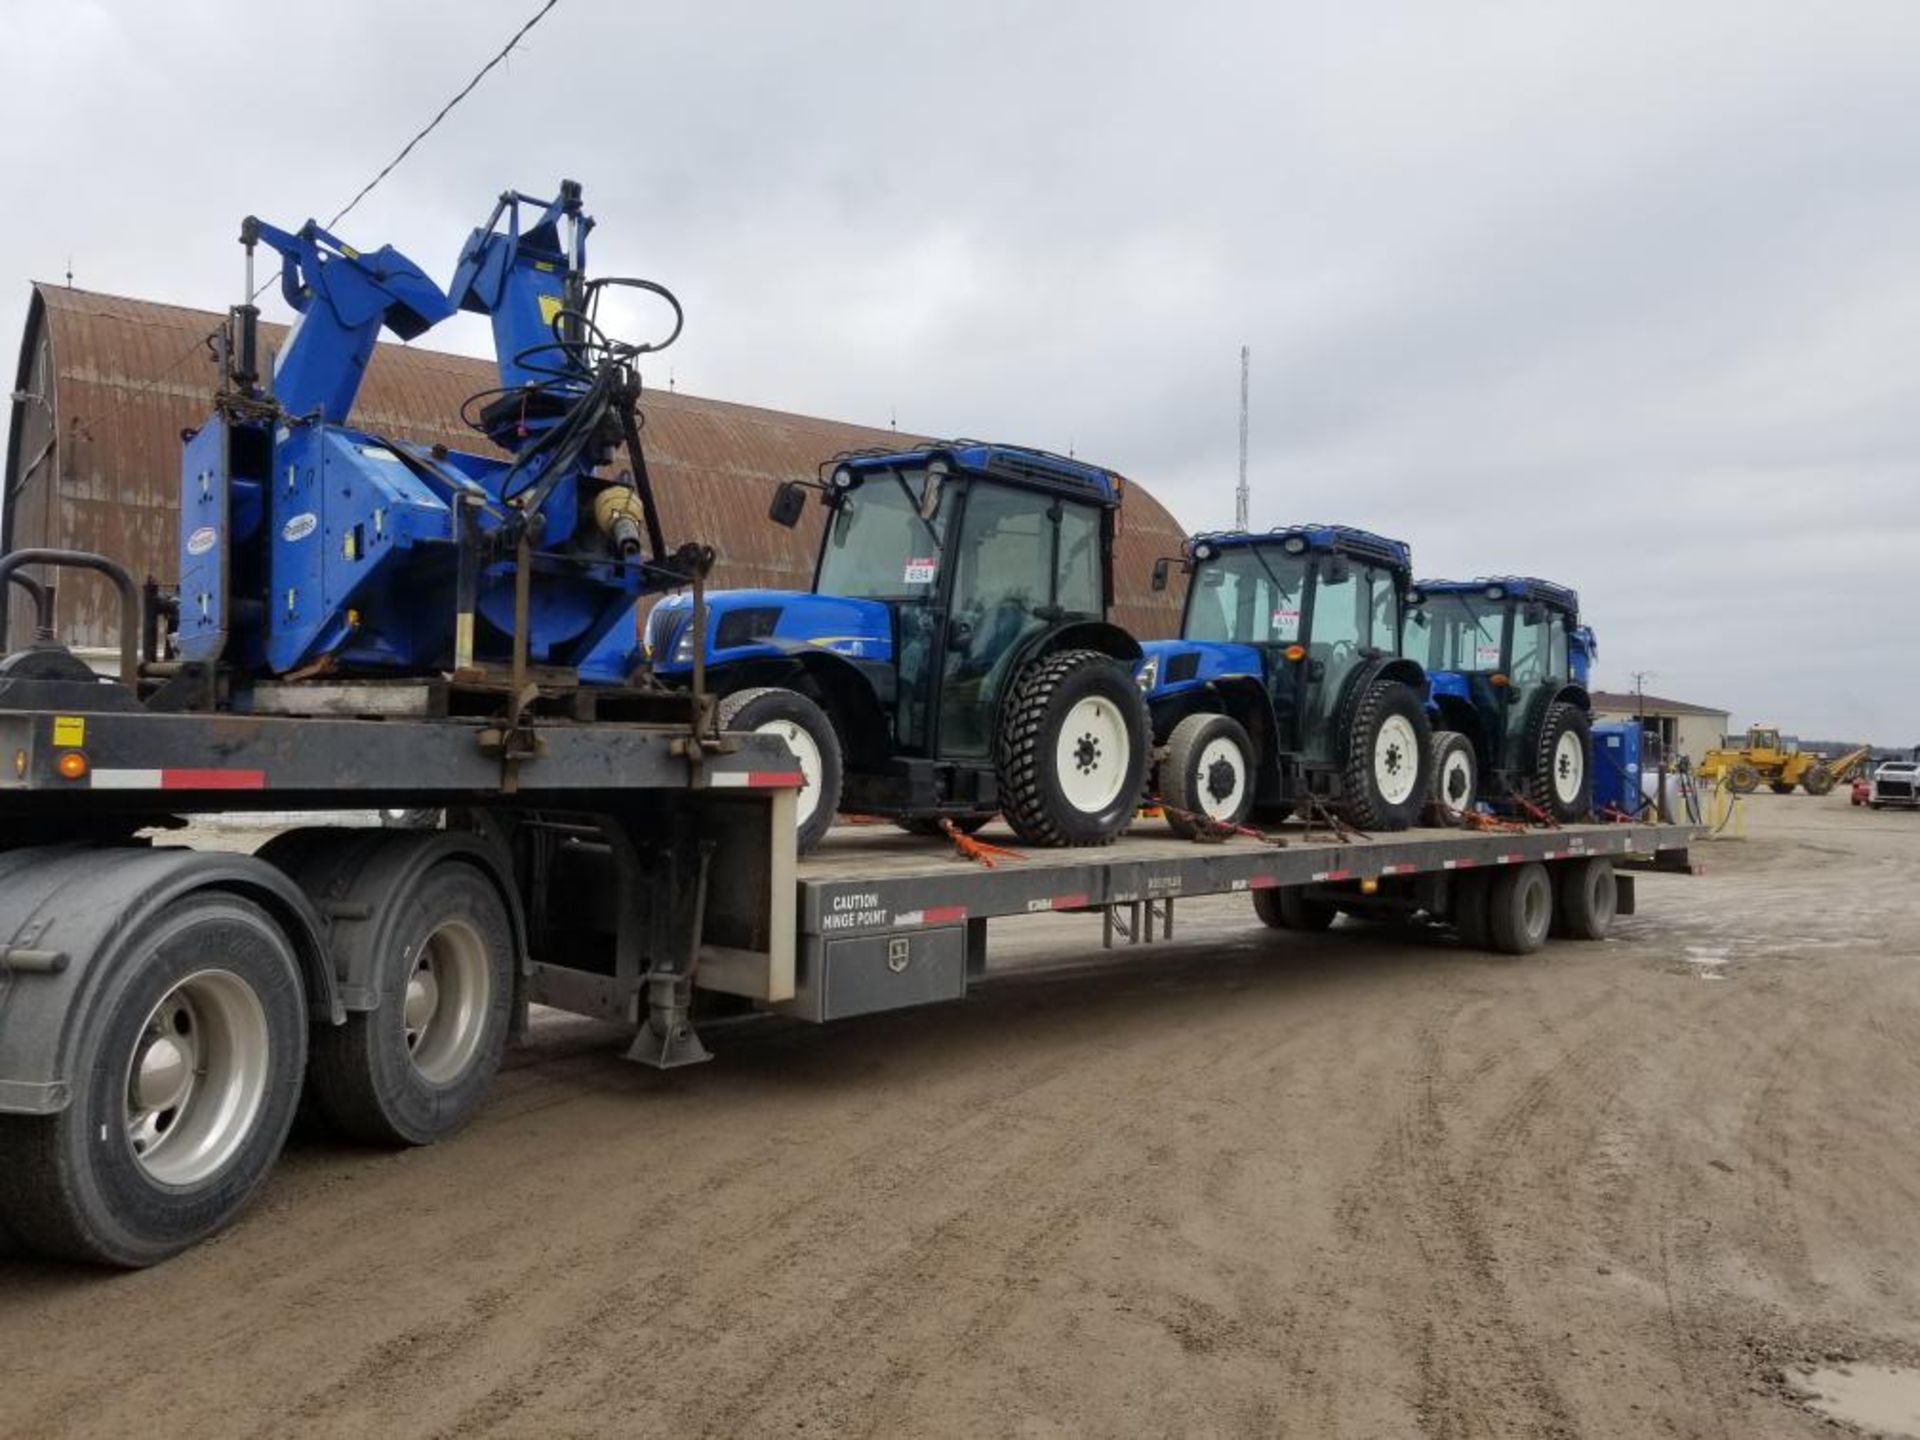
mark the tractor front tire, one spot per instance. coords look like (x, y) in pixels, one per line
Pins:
(1817, 781)
(1389, 763)
(1074, 742)
(1742, 778)
(1208, 774)
(809, 733)
(1560, 780)
(1456, 778)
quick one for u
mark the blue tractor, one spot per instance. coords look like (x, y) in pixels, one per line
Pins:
(1507, 660)
(310, 547)
(1286, 687)
(953, 658)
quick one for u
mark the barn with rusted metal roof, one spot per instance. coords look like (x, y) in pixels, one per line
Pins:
(106, 385)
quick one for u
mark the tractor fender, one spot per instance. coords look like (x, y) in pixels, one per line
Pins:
(1575, 695)
(1386, 667)
(1101, 635)
(83, 905)
(1245, 699)
(854, 693)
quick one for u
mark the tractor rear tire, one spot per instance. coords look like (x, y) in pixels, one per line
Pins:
(929, 825)
(1742, 778)
(809, 733)
(1817, 781)
(1389, 762)
(1456, 779)
(1208, 774)
(1074, 743)
(1286, 907)
(1780, 787)
(1560, 779)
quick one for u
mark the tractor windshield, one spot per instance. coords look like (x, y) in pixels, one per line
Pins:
(1455, 632)
(879, 545)
(1248, 596)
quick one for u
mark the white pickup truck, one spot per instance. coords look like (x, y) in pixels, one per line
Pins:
(1896, 783)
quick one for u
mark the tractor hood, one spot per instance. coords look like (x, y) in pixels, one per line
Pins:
(749, 624)
(1169, 667)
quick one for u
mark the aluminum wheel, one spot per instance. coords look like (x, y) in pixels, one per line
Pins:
(1396, 759)
(1569, 767)
(197, 1077)
(1222, 773)
(445, 1006)
(1093, 754)
(801, 742)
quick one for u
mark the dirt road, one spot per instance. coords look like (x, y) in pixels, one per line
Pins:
(1261, 1185)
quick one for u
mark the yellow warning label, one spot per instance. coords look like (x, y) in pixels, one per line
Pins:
(69, 729)
(549, 307)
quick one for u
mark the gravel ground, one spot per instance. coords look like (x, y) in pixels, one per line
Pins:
(1354, 1184)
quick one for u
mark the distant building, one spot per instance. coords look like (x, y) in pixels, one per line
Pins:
(1682, 728)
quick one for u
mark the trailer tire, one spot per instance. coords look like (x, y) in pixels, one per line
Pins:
(1072, 757)
(1817, 781)
(1287, 907)
(1388, 767)
(1742, 778)
(1588, 898)
(196, 1044)
(1468, 909)
(810, 735)
(1560, 779)
(1208, 772)
(1455, 772)
(416, 1067)
(1520, 908)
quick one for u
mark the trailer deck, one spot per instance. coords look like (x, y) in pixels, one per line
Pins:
(887, 919)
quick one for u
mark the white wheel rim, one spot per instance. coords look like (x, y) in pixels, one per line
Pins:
(1220, 778)
(1092, 754)
(1569, 767)
(197, 1078)
(1456, 780)
(1395, 766)
(808, 754)
(444, 1007)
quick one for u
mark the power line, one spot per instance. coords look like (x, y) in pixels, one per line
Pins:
(445, 109)
(365, 190)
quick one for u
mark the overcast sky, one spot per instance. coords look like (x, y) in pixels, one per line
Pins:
(1619, 294)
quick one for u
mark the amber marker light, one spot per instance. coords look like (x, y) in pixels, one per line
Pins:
(72, 765)
(1497, 680)
(19, 764)
(1295, 652)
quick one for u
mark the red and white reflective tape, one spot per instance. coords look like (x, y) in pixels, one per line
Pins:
(179, 779)
(1263, 882)
(1057, 902)
(1327, 876)
(1458, 864)
(755, 779)
(1397, 869)
(1511, 859)
(932, 915)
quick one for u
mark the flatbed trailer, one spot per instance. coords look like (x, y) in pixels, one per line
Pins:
(165, 1007)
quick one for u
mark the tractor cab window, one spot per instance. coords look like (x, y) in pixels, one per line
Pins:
(1383, 631)
(1247, 596)
(1345, 614)
(1022, 560)
(1532, 658)
(1455, 632)
(1557, 661)
(879, 545)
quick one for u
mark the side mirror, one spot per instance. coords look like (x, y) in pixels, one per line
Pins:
(789, 504)
(1159, 581)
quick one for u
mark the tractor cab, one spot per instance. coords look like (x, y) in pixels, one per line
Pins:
(1288, 659)
(944, 576)
(1507, 660)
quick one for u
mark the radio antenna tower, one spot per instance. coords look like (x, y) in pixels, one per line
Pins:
(1240, 495)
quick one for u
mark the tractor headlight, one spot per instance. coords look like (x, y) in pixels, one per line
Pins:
(843, 479)
(1148, 675)
(683, 647)
(1203, 552)
(1294, 545)
(1494, 592)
